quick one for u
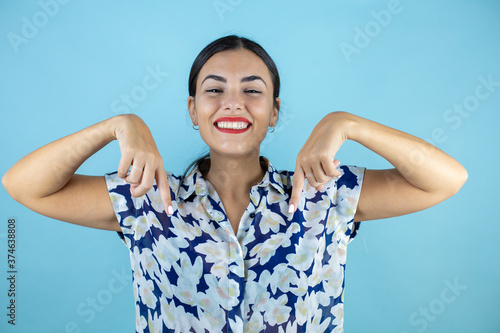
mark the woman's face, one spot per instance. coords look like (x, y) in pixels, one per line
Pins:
(234, 103)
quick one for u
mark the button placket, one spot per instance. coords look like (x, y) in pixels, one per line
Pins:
(236, 274)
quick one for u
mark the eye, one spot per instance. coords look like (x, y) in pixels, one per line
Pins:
(252, 91)
(214, 90)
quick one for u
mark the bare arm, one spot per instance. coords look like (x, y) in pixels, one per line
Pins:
(423, 175)
(45, 180)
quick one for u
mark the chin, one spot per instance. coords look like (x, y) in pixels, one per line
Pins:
(231, 151)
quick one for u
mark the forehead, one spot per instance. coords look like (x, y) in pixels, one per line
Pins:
(235, 63)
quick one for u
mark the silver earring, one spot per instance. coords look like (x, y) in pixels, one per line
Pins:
(195, 128)
(272, 129)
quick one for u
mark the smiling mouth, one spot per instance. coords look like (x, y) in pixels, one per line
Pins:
(232, 125)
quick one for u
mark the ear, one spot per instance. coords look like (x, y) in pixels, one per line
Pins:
(276, 111)
(192, 110)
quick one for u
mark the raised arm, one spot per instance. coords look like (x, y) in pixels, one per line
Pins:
(423, 175)
(45, 180)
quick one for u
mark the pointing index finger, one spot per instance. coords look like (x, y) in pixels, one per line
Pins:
(298, 185)
(164, 188)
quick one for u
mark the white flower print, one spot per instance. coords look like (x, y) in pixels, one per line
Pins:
(315, 323)
(221, 292)
(147, 261)
(302, 285)
(290, 328)
(315, 212)
(332, 224)
(255, 324)
(275, 310)
(140, 321)
(256, 293)
(189, 276)
(173, 181)
(236, 324)
(168, 313)
(304, 254)
(175, 317)
(119, 202)
(190, 208)
(155, 323)
(333, 285)
(338, 312)
(282, 278)
(145, 290)
(164, 284)
(317, 271)
(302, 309)
(139, 226)
(282, 273)
(168, 251)
(273, 197)
(155, 199)
(217, 254)
(185, 230)
(266, 250)
(270, 221)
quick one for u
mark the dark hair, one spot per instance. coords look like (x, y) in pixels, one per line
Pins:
(229, 43)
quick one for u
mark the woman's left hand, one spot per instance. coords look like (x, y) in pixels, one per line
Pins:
(316, 160)
(422, 176)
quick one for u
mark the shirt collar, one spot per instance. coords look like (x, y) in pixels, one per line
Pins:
(194, 183)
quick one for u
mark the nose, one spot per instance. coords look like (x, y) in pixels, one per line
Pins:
(232, 101)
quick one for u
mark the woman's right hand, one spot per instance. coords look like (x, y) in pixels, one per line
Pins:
(140, 162)
(45, 180)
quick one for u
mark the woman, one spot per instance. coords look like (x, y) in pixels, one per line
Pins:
(235, 245)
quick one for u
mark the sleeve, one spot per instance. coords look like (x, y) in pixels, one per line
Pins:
(141, 218)
(346, 198)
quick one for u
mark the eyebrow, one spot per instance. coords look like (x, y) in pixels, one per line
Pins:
(223, 79)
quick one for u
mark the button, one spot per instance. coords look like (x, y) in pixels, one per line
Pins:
(252, 215)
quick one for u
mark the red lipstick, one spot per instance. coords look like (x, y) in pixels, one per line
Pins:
(232, 120)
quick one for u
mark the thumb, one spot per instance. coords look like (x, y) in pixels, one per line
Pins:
(298, 185)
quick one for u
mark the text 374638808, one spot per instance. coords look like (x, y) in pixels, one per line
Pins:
(11, 271)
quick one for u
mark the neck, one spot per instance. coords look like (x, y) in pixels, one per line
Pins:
(234, 175)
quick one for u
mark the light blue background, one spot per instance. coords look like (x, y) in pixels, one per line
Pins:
(414, 68)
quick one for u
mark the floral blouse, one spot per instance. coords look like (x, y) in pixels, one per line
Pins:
(281, 272)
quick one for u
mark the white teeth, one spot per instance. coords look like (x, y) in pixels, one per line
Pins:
(232, 124)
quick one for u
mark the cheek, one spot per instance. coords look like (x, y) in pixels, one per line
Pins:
(205, 107)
